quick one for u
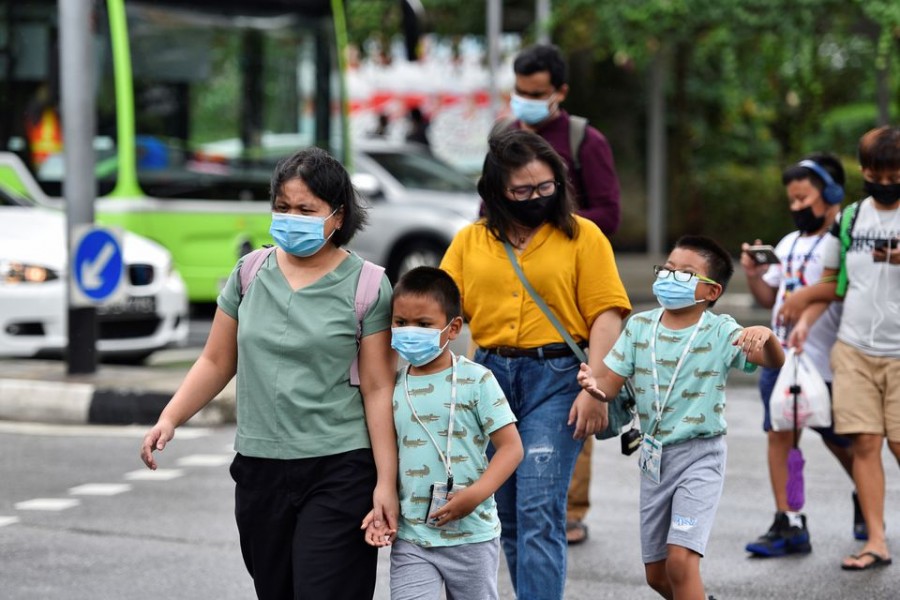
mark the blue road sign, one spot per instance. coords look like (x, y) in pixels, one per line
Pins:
(97, 265)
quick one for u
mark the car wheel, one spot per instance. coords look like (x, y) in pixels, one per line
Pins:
(417, 253)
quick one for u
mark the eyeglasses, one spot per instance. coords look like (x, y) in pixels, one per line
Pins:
(682, 276)
(525, 192)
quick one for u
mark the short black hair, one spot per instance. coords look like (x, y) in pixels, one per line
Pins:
(432, 282)
(508, 151)
(542, 57)
(829, 162)
(329, 181)
(719, 264)
(879, 149)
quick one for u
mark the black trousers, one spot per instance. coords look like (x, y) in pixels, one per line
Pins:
(299, 525)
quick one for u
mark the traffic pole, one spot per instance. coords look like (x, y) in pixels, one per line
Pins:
(76, 60)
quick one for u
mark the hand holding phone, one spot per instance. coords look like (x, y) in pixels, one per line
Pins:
(763, 254)
(884, 244)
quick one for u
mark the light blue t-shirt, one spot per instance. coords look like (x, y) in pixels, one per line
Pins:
(696, 406)
(481, 409)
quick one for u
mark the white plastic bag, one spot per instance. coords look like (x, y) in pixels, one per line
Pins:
(813, 400)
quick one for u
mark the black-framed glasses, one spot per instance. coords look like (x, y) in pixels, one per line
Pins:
(525, 192)
(682, 276)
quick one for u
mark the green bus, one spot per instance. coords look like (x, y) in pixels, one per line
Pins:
(191, 95)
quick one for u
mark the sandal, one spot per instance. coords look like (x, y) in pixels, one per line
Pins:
(576, 532)
(877, 561)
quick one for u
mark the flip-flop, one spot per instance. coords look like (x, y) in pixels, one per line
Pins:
(580, 537)
(877, 561)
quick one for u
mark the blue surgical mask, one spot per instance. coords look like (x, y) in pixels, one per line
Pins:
(299, 235)
(418, 345)
(672, 294)
(528, 110)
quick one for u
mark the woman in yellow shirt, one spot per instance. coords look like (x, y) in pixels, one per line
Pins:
(570, 264)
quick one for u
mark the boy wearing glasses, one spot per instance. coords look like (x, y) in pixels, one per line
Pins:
(678, 358)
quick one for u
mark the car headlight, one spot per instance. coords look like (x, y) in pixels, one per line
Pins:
(17, 272)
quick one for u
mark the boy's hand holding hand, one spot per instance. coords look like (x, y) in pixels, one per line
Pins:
(588, 382)
(377, 534)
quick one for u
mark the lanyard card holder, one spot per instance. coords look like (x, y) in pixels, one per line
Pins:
(439, 498)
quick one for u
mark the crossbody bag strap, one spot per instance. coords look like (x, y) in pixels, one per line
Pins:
(576, 349)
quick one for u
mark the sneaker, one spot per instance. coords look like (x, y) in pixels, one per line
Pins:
(782, 539)
(860, 531)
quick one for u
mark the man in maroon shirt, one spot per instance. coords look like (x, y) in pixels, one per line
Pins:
(541, 87)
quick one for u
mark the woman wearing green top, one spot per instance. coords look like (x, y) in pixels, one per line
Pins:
(313, 451)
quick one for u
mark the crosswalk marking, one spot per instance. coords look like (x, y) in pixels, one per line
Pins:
(157, 475)
(100, 489)
(4, 521)
(49, 504)
(205, 460)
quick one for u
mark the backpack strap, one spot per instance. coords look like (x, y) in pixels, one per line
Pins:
(251, 265)
(577, 131)
(848, 220)
(366, 293)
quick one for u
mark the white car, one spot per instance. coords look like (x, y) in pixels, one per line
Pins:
(33, 281)
(417, 204)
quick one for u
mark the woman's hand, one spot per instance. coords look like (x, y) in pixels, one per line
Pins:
(588, 415)
(385, 506)
(156, 439)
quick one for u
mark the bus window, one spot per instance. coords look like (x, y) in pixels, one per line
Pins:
(220, 97)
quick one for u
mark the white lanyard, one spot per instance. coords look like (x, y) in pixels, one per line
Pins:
(445, 458)
(656, 403)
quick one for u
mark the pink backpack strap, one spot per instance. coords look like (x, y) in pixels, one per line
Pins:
(366, 293)
(251, 265)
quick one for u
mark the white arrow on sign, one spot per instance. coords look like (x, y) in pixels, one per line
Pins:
(90, 270)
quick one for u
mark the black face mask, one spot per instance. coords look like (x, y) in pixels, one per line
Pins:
(885, 194)
(806, 220)
(531, 213)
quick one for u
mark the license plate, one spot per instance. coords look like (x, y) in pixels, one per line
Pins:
(132, 305)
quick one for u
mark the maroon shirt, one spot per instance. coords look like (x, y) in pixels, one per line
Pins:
(599, 186)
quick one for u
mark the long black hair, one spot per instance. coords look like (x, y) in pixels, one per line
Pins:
(511, 150)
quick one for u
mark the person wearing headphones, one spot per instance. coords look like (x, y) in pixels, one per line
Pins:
(814, 188)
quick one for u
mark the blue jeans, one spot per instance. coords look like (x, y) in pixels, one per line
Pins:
(532, 503)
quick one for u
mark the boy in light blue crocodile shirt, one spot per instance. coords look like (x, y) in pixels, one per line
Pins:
(678, 358)
(446, 410)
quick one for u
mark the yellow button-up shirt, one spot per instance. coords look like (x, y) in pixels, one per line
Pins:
(577, 278)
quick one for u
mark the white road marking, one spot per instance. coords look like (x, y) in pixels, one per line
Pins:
(4, 521)
(100, 489)
(123, 431)
(55, 504)
(205, 460)
(157, 475)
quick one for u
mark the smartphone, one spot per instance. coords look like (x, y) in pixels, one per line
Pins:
(883, 244)
(763, 255)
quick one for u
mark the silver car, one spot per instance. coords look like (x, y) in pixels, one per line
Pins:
(417, 203)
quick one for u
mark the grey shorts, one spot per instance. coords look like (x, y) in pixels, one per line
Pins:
(682, 508)
(467, 571)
